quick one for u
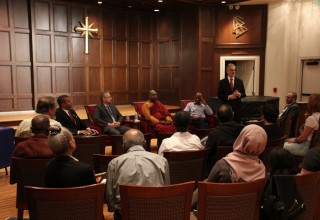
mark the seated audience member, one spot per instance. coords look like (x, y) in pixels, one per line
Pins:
(45, 106)
(135, 167)
(292, 109)
(224, 134)
(300, 145)
(36, 146)
(65, 170)
(107, 114)
(181, 140)
(158, 114)
(311, 161)
(281, 162)
(243, 164)
(198, 111)
(69, 118)
(269, 117)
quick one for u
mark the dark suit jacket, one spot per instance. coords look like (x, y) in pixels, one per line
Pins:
(64, 171)
(102, 116)
(292, 110)
(225, 90)
(66, 121)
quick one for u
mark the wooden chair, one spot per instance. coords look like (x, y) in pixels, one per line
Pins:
(285, 125)
(228, 201)
(271, 144)
(101, 162)
(84, 202)
(156, 202)
(187, 166)
(145, 124)
(6, 147)
(309, 189)
(26, 172)
(88, 145)
(116, 143)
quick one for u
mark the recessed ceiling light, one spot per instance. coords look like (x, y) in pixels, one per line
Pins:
(223, 2)
(129, 6)
(160, 1)
(156, 10)
(99, 2)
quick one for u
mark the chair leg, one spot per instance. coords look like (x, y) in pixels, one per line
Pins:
(20, 213)
(6, 171)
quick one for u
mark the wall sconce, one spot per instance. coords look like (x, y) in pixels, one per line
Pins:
(235, 7)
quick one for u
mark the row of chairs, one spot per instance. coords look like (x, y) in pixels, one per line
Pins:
(215, 201)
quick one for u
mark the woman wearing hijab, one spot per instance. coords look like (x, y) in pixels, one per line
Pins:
(243, 164)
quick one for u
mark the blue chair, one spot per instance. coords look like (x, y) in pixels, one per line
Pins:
(6, 147)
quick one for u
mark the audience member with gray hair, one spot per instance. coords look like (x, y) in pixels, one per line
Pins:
(46, 106)
(135, 167)
(65, 170)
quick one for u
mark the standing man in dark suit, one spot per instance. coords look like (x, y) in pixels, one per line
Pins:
(69, 118)
(291, 109)
(107, 114)
(231, 90)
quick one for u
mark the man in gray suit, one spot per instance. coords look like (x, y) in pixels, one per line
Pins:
(109, 116)
(291, 109)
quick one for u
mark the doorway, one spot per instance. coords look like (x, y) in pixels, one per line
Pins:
(247, 70)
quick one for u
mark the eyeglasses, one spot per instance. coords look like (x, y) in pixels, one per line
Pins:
(107, 97)
(288, 97)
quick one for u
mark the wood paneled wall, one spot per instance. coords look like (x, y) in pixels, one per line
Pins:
(175, 53)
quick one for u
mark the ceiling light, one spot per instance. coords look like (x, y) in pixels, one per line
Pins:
(237, 7)
(156, 10)
(99, 2)
(230, 7)
(160, 1)
(223, 2)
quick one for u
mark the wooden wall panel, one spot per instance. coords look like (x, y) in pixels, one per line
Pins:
(145, 54)
(254, 22)
(6, 80)
(77, 14)
(4, 18)
(107, 24)
(133, 27)
(44, 79)
(42, 16)
(145, 28)
(120, 52)
(79, 80)
(164, 26)
(24, 80)
(207, 55)
(144, 79)
(120, 79)
(22, 48)
(206, 19)
(108, 79)
(80, 100)
(20, 13)
(6, 104)
(43, 48)
(119, 25)
(164, 79)
(77, 50)
(60, 18)
(133, 79)
(94, 80)
(94, 53)
(24, 103)
(61, 49)
(62, 80)
(107, 55)
(5, 46)
(164, 53)
(134, 53)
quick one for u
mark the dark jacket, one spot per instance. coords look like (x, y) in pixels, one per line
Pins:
(224, 134)
(102, 116)
(292, 110)
(64, 171)
(66, 121)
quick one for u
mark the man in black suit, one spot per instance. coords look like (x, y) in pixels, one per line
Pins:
(65, 170)
(69, 118)
(108, 115)
(291, 109)
(231, 90)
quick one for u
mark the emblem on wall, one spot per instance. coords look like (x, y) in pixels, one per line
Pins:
(85, 31)
(238, 27)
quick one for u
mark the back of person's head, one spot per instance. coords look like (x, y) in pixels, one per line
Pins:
(45, 104)
(281, 161)
(181, 121)
(59, 140)
(270, 113)
(40, 125)
(62, 99)
(314, 103)
(224, 113)
(131, 138)
(252, 140)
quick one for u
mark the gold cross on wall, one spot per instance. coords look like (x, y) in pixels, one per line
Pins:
(86, 30)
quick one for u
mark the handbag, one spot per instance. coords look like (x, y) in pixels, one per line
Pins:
(315, 140)
(281, 200)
